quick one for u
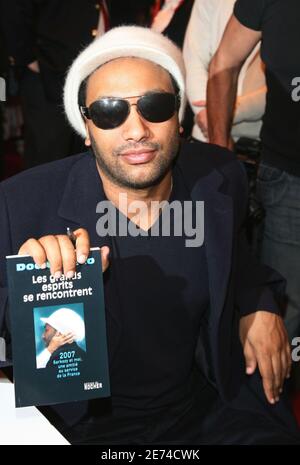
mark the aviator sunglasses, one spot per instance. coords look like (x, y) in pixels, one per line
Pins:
(111, 112)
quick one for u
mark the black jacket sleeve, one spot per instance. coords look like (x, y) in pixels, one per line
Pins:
(258, 287)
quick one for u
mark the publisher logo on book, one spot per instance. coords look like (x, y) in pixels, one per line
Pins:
(92, 385)
(2, 350)
(2, 90)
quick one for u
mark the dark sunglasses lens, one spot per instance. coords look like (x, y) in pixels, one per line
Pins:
(109, 113)
(157, 107)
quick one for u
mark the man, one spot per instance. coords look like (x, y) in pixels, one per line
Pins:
(204, 33)
(63, 330)
(275, 23)
(173, 312)
(42, 42)
(52, 340)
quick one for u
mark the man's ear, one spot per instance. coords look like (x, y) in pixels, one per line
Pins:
(87, 140)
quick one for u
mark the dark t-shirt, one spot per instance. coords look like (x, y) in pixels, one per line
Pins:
(279, 22)
(163, 290)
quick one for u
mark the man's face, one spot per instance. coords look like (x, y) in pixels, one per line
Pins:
(138, 153)
(48, 334)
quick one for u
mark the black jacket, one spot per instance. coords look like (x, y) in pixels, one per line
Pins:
(50, 198)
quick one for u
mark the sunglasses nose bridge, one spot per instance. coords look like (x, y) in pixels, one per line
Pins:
(137, 109)
(135, 127)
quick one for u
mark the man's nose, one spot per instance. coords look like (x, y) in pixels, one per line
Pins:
(135, 128)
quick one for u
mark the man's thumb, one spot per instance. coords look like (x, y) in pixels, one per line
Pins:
(250, 359)
(104, 257)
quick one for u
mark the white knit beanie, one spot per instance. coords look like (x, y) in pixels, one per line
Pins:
(123, 41)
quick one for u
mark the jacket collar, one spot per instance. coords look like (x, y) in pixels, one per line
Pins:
(83, 191)
(81, 195)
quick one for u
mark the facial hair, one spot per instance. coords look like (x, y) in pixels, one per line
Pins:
(118, 175)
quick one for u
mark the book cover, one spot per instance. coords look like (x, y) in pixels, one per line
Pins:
(58, 332)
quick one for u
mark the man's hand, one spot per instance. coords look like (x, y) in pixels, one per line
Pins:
(59, 340)
(34, 66)
(265, 342)
(60, 252)
(202, 120)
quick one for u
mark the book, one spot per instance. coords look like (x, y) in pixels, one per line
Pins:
(58, 330)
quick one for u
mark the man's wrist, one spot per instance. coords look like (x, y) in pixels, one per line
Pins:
(219, 139)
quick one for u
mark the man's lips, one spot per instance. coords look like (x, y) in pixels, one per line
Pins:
(135, 157)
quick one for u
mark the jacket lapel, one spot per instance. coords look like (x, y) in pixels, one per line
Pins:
(82, 193)
(218, 225)
(218, 230)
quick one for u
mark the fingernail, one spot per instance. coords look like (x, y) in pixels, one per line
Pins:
(70, 274)
(280, 390)
(81, 259)
(272, 401)
(57, 274)
(248, 370)
(43, 266)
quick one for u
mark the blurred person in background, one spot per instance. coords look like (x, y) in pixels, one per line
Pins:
(130, 12)
(2, 99)
(276, 24)
(43, 37)
(204, 33)
(171, 17)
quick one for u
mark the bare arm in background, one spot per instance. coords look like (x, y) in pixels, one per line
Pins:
(237, 43)
(197, 54)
